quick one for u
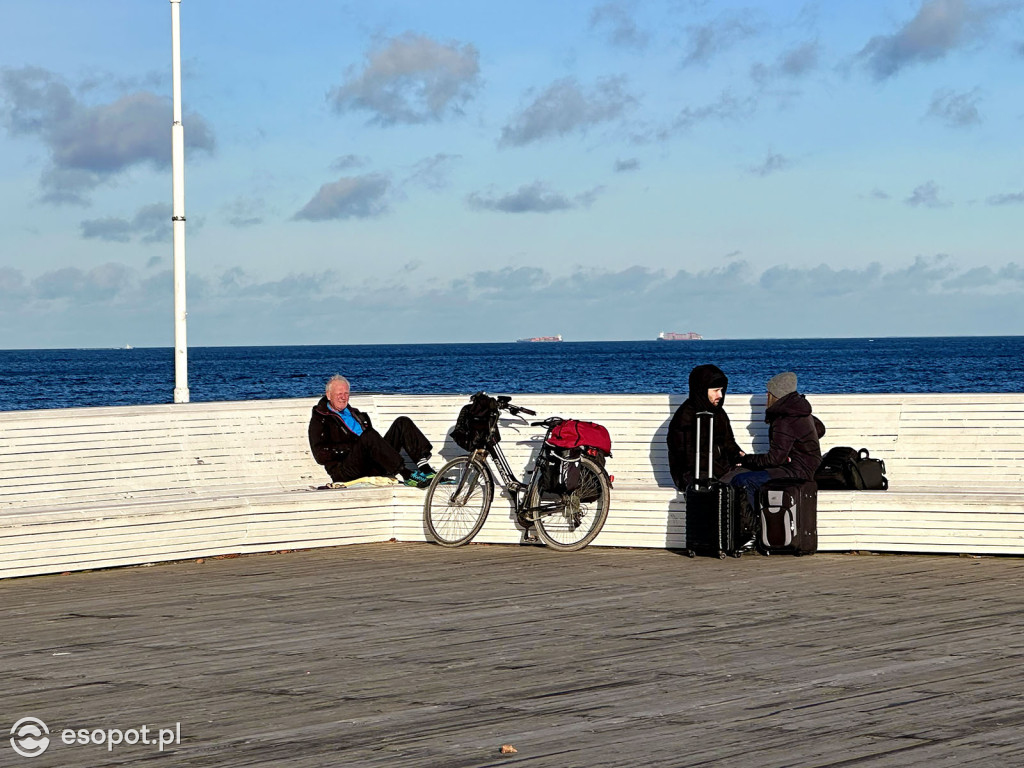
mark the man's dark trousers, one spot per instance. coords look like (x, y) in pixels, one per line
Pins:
(373, 454)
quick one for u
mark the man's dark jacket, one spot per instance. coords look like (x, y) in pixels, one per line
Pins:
(329, 437)
(682, 430)
(792, 434)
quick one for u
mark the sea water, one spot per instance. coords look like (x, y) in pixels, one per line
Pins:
(96, 377)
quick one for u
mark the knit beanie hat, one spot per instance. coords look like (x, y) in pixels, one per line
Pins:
(782, 385)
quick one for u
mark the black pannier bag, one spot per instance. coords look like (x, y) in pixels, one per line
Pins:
(560, 469)
(560, 456)
(847, 469)
(477, 423)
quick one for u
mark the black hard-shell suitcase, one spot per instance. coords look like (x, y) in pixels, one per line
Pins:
(788, 514)
(713, 525)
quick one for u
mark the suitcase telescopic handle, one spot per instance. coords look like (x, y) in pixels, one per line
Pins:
(711, 441)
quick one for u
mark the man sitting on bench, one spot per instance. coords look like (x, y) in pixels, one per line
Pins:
(344, 441)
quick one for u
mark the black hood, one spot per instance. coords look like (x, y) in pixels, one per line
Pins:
(703, 378)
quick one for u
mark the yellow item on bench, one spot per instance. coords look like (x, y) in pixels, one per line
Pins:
(372, 480)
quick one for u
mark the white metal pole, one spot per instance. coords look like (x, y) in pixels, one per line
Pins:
(178, 214)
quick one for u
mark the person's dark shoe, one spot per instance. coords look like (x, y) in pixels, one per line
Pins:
(529, 538)
(427, 470)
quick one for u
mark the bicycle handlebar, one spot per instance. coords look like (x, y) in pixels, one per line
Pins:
(549, 422)
(515, 410)
(505, 404)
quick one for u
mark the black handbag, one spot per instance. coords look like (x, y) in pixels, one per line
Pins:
(847, 469)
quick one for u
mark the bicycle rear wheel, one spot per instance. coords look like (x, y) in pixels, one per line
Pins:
(457, 501)
(577, 517)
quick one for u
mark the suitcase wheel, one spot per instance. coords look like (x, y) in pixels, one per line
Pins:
(737, 553)
(690, 553)
(721, 555)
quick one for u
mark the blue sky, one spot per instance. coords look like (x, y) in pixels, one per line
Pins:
(479, 171)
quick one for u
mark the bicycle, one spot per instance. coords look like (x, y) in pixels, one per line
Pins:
(460, 495)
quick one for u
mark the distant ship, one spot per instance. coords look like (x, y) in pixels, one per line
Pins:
(540, 338)
(673, 336)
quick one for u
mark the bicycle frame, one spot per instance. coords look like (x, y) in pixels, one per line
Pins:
(561, 517)
(518, 492)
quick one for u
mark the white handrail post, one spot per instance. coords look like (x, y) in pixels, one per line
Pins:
(178, 214)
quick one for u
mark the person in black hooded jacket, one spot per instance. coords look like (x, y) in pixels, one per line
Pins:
(707, 393)
(793, 434)
(344, 441)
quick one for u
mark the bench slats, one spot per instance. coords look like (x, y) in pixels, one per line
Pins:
(89, 487)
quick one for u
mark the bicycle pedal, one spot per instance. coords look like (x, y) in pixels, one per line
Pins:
(528, 540)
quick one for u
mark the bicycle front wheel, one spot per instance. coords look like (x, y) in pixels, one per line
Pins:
(457, 501)
(577, 517)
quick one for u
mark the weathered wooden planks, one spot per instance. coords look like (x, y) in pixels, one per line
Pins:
(408, 654)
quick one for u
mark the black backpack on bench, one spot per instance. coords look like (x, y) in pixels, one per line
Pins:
(847, 469)
(477, 423)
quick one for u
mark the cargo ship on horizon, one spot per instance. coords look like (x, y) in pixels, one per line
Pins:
(539, 338)
(685, 336)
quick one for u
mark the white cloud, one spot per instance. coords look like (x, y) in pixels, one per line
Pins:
(532, 198)
(99, 284)
(150, 224)
(350, 197)
(1007, 198)
(706, 41)
(410, 79)
(926, 196)
(90, 144)
(348, 163)
(939, 27)
(957, 110)
(565, 107)
(773, 163)
(617, 22)
(433, 172)
(726, 107)
(798, 61)
(930, 296)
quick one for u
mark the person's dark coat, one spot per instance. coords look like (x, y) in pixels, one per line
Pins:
(682, 430)
(329, 437)
(793, 434)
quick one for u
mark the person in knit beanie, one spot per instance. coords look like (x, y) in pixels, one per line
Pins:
(781, 385)
(793, 435)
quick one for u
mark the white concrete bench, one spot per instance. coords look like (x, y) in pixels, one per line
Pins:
(97, 487)
(955, 465)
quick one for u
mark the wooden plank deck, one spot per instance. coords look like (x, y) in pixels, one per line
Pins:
(413, 655)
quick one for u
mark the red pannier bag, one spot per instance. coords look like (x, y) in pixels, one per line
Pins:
(580, 434)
